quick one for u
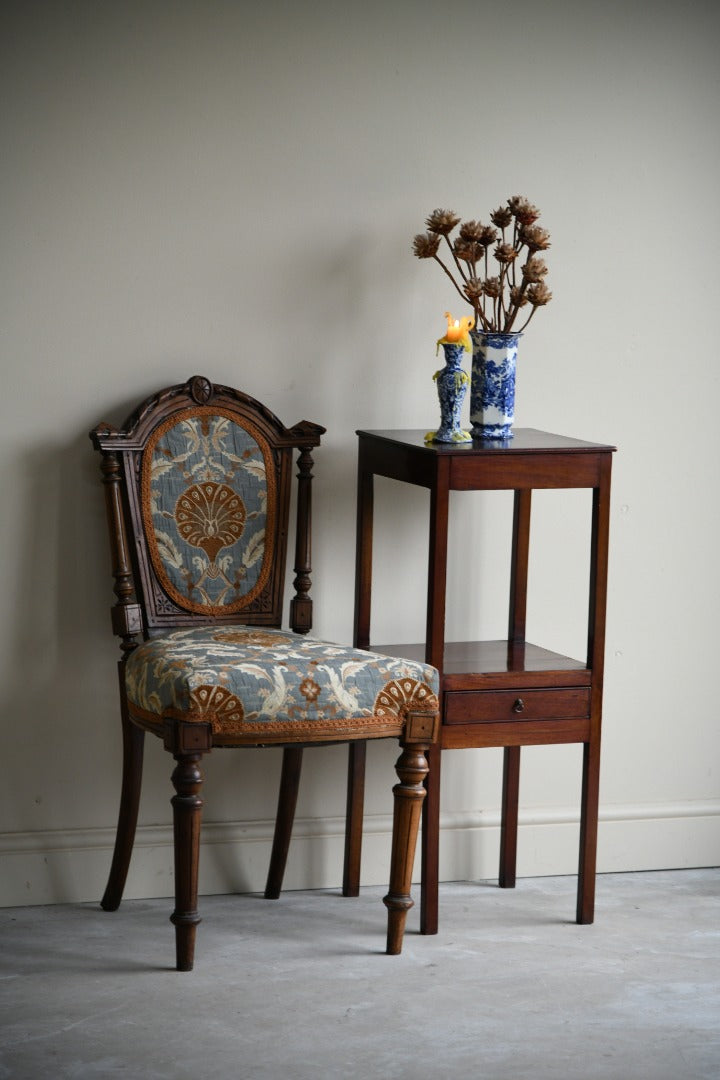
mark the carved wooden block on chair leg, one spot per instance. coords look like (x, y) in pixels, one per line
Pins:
(420, 731)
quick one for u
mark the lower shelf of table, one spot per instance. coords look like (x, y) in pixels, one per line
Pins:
(488, 665)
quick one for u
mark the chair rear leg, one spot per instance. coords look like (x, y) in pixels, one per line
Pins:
(354, 817)
(133, 746)
(287, 801)
(412, 768)
(187, 815)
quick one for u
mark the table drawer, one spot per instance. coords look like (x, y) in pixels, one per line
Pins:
(489, 706)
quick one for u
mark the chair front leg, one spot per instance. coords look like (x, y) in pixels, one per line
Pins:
(412, 768)
(187, 814)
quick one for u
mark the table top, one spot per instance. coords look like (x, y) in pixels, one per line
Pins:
(524, 441)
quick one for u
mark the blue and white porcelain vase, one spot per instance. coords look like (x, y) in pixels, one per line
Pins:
(452, 383)
(492, 390)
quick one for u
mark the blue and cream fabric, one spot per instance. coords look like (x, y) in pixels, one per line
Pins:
(267, 685)
(209, 502)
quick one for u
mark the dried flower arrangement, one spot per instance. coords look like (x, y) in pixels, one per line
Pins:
(496, 299)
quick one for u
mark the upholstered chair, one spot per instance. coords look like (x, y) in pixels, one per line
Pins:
(197, 486)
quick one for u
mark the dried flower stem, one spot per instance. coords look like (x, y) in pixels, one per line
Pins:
(461, 293)
(526, 322)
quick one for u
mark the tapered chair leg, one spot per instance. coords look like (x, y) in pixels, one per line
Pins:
(412, 768)
(133, 745)
(187, 814)
(287, 801)
(357, 754)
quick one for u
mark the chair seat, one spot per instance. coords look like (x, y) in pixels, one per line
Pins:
(257, 685)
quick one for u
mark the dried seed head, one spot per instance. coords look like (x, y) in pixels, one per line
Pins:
(489, 235)
(534, 269)
(442, 222)
(491, 287)
(501, 217)
(472, 231)
(505, 253)
(425, 245)
(473, 290)
(539, 295)
(518, 296)
(536, 238)
(523, 210)
(468, 251)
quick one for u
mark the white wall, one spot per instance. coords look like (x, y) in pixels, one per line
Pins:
(232, 189)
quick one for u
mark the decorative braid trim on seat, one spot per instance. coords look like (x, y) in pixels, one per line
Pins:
(273, 734)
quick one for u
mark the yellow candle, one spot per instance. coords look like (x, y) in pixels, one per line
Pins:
(453, 333)
(458, 331)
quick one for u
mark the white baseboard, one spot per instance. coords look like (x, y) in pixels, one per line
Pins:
(71, 866)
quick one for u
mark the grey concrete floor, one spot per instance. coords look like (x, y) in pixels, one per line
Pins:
(300, 988)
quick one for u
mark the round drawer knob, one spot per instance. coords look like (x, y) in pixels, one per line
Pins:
(519, 705)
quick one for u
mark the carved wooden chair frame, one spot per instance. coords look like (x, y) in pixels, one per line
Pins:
(144, 610)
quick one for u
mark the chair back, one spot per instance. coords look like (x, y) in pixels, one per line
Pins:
(198, 485)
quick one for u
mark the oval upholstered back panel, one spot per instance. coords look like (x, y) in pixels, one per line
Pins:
(209, 504)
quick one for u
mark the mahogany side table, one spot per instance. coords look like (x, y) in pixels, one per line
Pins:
(507, 693)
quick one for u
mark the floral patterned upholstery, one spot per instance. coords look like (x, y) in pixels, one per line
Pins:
(266, 685)
(209, 504)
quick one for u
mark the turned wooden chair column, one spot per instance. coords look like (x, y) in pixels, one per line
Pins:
(187, 818)
(187, 742)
